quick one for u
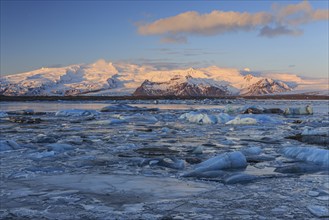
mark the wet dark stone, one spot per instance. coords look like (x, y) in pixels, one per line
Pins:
(259, 158)
(273, 111)
(144, 129)
(25, 112)
(156, 151)
(193, 160)
(253, 111)
(21, 112)
(25, 120)
(310, 139)
(209, 145)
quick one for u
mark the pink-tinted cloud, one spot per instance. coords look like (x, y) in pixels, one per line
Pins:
(282, 20)
(205, 24)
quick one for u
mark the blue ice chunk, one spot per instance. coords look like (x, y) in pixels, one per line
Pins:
(76, 113)
(60, 147)
(308, 154)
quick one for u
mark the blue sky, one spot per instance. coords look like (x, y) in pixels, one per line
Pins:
(58, 33)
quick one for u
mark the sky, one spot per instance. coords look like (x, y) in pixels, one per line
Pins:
(265, 36)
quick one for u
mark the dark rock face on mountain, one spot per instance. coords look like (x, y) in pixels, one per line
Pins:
(266, 86)
(182, 86)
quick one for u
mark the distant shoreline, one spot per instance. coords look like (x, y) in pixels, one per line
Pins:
(104, 98)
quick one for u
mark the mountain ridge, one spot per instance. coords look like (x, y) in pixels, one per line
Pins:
(115, 79)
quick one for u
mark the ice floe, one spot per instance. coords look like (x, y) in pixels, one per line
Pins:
(308, 154)
(8, 145)
(307, 110)
(200, 118)
(3, 114)
(75, 113)
(322, 131)
(242, 121)
(232, 160)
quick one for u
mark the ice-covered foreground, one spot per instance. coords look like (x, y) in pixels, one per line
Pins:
(170, 159)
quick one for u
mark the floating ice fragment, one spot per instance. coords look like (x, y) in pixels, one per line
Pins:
(251, 151)
(232, 160)
(59, 147)
(42, 138)
(323, 131)
(242, 121)
(108, 122)
(263, 118)
(240, 178)
(231, 110)
(308, 154)
(307, 110)
(200, 118)
(43, 154)
(76, 113)
(223, 118)
(318, 211)
(172, 163)
(224, 161)
(3, 114)
(8, 145)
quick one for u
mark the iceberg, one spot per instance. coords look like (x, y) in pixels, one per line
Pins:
(240, 178)
(263, 118)
(108, 122)
(231, 110)
(3, 114)
(242, 121)
(308, 154)
(8, 145)
(232, 160)
(307, 110)
(200, 118)
(223, 118)
(322, 131)
(59, 147)
(251, 151)
(76, 113)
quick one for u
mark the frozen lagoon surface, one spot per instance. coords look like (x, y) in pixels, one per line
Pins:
(132, 163)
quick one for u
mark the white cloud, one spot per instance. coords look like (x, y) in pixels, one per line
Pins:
(282, 20)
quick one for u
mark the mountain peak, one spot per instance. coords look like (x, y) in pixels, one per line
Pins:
(107, 78)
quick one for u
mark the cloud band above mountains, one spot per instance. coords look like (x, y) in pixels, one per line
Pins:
(282, 20)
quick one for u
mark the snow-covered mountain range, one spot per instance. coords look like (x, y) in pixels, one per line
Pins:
(115, 79)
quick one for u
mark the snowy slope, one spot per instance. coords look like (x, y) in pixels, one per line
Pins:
(186, 86)
(264, 87)
(106, 78)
